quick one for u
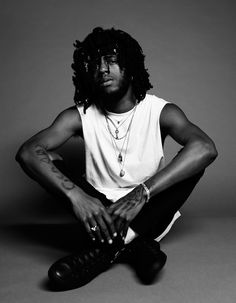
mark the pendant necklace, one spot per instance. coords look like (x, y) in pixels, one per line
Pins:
(120, 123)
(120, 157)
(119, 151)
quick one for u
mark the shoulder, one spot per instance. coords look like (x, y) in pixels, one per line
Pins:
(172, 115)
(70, 112)
(69, 118)
(173, 119)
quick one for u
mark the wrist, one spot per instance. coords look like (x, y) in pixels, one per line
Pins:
(146, 192)
(74, 194)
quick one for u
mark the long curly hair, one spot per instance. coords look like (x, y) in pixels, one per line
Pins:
(103, 41)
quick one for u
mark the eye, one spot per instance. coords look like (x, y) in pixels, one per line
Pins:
(111, 59)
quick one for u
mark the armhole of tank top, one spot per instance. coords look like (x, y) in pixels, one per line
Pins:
(80, 113)
(79, 109)
(162, 164)
(163, 159)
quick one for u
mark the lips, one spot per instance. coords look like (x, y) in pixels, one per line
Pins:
(105, 81)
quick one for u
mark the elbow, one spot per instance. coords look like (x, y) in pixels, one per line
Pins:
(209, 152)
(204, 151)
(22, 155)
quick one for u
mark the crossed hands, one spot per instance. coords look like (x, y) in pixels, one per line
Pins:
(104, 224)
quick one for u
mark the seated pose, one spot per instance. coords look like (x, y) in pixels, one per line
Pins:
(128, 198)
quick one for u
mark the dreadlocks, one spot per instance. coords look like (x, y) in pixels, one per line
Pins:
(100, 42)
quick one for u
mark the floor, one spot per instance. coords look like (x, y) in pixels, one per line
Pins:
(201, 266)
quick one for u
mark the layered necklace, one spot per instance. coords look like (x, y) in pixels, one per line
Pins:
(121, 152)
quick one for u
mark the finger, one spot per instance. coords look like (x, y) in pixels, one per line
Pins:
(89, 231)
(115, 213)
(119, 222)
(113, 217)
(104, 231)
(114, 207)
(110, 211)
(114, 210)
(110, 224)
(124, 230)
(95, 230)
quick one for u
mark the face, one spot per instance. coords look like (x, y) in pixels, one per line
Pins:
(111, 81)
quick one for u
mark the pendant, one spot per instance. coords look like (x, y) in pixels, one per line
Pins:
(120, 159)
(122, 173)
(117, 132)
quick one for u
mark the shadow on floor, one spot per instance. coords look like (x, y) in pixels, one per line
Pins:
(70, 237)
(63, 237)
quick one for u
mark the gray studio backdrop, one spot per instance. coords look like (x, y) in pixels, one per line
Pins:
(190, 54)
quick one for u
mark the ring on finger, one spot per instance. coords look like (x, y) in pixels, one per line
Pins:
(94, 228)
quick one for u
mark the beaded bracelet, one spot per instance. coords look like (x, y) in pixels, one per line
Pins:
(147, 191)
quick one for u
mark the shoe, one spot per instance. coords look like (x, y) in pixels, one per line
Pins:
(145, 257)
(76, 270)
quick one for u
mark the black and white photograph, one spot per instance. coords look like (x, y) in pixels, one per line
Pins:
(118, 151)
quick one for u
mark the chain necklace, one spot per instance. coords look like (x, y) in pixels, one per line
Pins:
(120, 124)
(121, 158)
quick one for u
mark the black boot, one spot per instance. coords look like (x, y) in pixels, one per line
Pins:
(145, 257)
(78, 269)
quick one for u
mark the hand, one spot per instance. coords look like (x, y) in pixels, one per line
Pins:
(126, 209)
(92, 213)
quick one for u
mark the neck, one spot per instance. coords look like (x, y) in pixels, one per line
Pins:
(122, 105)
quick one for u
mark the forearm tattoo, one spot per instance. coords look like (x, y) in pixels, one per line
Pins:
(43, 157)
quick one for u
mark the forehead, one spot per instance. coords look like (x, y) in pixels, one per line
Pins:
(105, 50)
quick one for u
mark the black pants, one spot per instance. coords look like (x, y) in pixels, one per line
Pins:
(157, 214)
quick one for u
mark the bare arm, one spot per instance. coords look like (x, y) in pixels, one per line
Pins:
(34, 154)
(34, 157)
(197, 153)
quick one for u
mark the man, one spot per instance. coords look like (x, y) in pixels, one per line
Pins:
(128, 197)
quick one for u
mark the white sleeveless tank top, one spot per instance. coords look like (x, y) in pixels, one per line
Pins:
(142, 151)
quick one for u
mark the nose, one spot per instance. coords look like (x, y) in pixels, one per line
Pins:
(103, 66)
